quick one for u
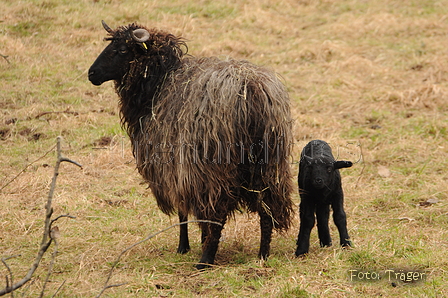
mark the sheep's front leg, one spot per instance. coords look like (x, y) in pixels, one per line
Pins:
(211, 234)
(184, 243)
(322, 214)
(340, 220)
(307, 221)
(266, 226)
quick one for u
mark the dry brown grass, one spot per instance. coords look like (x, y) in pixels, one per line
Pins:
(357, 71)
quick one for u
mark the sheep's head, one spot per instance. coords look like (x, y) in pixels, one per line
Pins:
(136, 52)
(321, 172)
(114, 62)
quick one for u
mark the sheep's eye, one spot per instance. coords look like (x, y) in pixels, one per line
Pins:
(329, 169)
(121, 51)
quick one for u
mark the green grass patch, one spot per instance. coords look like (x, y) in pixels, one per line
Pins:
(368, 72)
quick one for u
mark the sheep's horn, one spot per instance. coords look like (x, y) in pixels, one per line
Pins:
(140, 35)
(308, 159)
(106, 27)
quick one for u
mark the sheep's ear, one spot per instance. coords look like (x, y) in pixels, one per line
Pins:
(342, 164)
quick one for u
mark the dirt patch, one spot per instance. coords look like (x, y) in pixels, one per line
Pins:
(103, 141)
(25, 132)
(31, 134)
(36, 136)
(10, 121)
(116, 203)
(4, 133)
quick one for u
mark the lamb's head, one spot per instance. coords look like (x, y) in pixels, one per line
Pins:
(321, 172)
(114, 62)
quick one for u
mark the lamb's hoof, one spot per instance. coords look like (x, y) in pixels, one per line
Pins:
(347, 245)
(326, 244)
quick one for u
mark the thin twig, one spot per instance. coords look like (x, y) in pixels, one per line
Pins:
(6, 58)
(8, 280)
(106, 286)
(26, 167)
(56, 112)
(60, 216)
(71, 161)
(115, 285)
(59, 288)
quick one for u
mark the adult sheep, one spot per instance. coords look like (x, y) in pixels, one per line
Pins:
(209, 136)
(320, 187)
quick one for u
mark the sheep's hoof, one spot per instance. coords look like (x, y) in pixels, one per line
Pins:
(202, 266)
(301, 254)
(183, 250)
(263, 256)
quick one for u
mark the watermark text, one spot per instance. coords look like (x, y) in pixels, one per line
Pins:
(390, 275)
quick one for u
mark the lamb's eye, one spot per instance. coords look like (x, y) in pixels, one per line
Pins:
(329, 169)
(122, 51)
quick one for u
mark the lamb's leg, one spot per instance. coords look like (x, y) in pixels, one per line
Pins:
(184, 243)
(322, 215)
(307, 221)
(340, 220)
(266, 226)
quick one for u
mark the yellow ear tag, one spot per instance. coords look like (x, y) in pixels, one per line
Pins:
(144, 45)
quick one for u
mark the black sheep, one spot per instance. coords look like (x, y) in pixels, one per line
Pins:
(320, 186)
(209, 136)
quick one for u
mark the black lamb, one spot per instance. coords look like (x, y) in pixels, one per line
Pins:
(319, 187)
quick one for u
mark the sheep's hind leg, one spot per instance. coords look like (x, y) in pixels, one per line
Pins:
(266, 226)
(184, 243)
(307, 221)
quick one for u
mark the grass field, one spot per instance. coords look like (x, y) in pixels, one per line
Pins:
(368, 77)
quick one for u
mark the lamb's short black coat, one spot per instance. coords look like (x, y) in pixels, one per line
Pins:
(319, 187)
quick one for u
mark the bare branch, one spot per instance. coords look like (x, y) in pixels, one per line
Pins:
(48, 234)
(106, 286)
(54, 234)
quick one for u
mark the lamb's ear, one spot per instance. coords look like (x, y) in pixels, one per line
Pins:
(342, 164)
